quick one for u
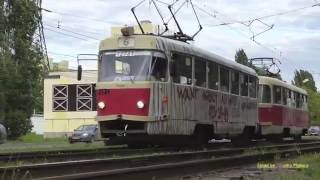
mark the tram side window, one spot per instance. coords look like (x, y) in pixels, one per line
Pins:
(284, 96)
(298, 100)
(200, 74)
(183, 69)
(265, 92)
(244, 84)
(224, 79)
(158, 69)
(235, 82)
(213, 76)
(276, 94)
(252, 87)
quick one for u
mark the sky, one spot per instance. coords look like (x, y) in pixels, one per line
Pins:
(75, 27)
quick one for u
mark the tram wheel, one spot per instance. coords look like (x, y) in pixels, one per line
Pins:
(243, 139)
(297, 137)
(200, 137)
(275, 138)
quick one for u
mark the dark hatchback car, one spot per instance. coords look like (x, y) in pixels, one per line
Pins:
(84, 133)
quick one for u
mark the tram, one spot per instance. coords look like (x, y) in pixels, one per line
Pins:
(154, 90)
(283, 109)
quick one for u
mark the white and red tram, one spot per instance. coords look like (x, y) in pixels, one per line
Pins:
(155, 89)
(283, 109)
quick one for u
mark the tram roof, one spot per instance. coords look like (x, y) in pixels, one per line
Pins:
(278, 82)
(167, 45)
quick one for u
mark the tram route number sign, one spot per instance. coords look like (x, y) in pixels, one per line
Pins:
(126, 42)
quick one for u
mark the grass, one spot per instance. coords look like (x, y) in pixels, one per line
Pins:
(35, 138)
(312, 171)
(33, 142)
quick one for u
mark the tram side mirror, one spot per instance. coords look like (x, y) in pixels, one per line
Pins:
(172, 68)
(79, 72)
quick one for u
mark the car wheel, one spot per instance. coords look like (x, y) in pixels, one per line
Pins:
(91, 140)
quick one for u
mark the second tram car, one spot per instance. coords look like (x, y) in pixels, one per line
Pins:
(153, 89)
(283, 109)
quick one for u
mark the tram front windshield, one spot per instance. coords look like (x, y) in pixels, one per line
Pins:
(132, 66)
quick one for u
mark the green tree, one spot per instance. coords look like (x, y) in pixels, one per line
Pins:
(21, 66)
(304, 78)
(313, 105)
(241, 57)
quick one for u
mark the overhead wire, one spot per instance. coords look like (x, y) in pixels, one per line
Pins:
(252, 40)
(76, 27)
(76, 33)
(60, 54)
(267, 16)
(80, 17)
(65, 34)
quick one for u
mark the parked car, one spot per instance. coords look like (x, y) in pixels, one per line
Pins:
(84, 133)
(314, 131)
(3, 134)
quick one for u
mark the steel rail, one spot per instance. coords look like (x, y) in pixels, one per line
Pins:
(176, 169)
(94, 166)
(78, 154)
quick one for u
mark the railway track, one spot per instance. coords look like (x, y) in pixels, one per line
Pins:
(155, 165)
(78, 154)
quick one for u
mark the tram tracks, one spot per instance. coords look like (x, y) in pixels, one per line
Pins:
(80, 154)
(151, 164)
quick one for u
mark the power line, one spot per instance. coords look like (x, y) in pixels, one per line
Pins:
(267, 16)
(252, 40)
(69, 35)
(90, 37)
(60, 54)
(80, 17)
(59, 23)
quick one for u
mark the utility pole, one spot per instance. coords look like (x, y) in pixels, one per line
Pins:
(41, 38)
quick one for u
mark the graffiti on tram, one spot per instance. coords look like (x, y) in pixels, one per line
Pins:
(220, 106)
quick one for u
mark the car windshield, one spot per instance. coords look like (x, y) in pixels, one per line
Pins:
(86, 128)
(132, 66)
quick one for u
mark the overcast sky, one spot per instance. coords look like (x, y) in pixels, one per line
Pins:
(294, 38)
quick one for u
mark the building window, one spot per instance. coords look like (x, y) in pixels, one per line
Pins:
(84, 97)
(235, 82)
(183, 69)
(224, 79)
(200, 73)
(74, 97)
(60, 98)
(213, 75)
(276, 94)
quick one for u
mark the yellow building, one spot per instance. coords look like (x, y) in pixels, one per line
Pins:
(68, 103)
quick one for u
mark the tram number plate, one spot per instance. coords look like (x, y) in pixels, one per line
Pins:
(124, 53)
(104, 91)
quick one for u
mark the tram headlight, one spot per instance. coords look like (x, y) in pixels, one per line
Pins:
(101, 105)
(140, 104)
